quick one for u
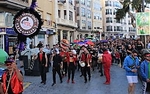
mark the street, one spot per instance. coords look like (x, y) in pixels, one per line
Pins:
(118, 84)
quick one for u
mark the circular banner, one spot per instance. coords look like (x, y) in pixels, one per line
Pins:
(27, 22)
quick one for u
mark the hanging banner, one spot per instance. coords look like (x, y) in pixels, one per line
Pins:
(143, 23)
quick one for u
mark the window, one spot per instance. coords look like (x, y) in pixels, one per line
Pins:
(89, 3)
(83, 24)
(109, 28)
(97, 6)
(109, 20)
(89, 25)
(70, 1)
(97, 16)
(41, 36)
(83, 11)
(59, 14)
(78, 22)
(108, 11)
(89, 14)
(2, 19)
(65, 14)
(48, 19)
(70, 15)
(78, 13)
(8, 19)
(83, 2)
(115, 28)
(108, 3)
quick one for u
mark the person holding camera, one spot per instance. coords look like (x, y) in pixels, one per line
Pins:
(131, 64)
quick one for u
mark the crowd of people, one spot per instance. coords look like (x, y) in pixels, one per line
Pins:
(127, 53)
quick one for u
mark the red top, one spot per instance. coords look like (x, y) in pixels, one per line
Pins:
(41, 56)
(64, 56)
(15, 83)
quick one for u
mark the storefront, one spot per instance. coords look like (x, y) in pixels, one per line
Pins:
(10, 39)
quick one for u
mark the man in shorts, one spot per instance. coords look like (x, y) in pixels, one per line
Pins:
(131, 64)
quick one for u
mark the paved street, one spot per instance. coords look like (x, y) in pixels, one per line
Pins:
(95, 86)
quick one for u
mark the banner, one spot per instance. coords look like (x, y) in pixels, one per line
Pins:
(143, 23)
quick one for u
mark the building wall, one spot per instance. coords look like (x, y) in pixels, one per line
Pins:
(97, 19)
(111, 26)
(65, 20)
(46, 10)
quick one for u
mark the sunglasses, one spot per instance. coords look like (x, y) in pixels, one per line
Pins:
(9, 64)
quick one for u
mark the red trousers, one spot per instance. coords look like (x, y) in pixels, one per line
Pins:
(107, 72)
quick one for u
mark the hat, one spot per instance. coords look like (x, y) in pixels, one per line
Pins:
(145, 51)
(8, 61)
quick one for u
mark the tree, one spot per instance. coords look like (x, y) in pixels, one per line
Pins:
(138, 5)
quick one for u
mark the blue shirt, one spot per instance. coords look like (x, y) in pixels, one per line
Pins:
(129, 64)
(144, 70)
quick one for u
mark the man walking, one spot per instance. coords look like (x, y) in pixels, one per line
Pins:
(57, 65)
(42, 58)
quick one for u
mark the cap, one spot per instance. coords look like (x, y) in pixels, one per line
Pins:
(8, 61)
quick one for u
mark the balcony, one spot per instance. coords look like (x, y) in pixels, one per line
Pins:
(66, 22)
(14, 4)
(61, 2)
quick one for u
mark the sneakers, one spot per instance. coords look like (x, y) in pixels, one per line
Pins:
(107, 83)
(53, 84)
(73, 82)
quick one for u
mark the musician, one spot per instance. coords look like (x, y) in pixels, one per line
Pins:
(43, 62)
(71, 65)
(64, 55)
(57, 65)
(86, 56)
(12, 79)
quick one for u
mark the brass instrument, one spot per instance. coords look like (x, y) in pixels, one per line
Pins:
(82, 64)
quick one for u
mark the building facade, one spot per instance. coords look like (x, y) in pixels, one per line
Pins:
(65, 19)
(47, 34)
(113, 28)
(8, 8)
(97, 20)
(84, 18)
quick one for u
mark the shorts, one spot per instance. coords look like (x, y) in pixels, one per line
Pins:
(132, 79)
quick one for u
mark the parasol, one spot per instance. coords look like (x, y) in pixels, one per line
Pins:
(3, 56)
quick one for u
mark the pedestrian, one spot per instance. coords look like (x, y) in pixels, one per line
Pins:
(106, 61)
(145, 71)
(64, 55)
(43, 61)
(12, 79)
(71, 65)
(131, 64)
(87, 67)
(57, 66)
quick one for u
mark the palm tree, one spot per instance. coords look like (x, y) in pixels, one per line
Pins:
(138, 5)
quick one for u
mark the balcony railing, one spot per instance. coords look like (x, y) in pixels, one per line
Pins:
(66, 22)
(14, 4)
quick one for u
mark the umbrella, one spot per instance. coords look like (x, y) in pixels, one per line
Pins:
(3, 56)
(82, 43)
(76, 41)
(104, 41)
(89, 43)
